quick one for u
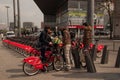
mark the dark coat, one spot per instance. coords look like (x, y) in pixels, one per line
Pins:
(44, 39)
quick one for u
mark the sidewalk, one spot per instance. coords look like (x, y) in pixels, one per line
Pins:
(104, 71)
(11, 68)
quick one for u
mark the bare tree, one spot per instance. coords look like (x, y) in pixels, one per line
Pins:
(108, 6)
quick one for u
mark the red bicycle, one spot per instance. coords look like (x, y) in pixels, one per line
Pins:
(33, 64)
(99, 47)
(80, 46)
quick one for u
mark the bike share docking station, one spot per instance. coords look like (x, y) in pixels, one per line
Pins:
(89, 62)
(117, 64)
(105, 55)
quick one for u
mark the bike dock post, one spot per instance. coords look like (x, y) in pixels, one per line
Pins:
(117, 64)
(93, 53)
(76, 58)
(89, 62)
(105, 55)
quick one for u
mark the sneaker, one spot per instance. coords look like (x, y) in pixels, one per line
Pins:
(66, 69)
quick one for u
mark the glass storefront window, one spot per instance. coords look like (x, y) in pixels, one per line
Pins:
(72, 4)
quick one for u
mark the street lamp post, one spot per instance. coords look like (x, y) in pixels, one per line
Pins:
(90, 16)
(19, 23)
(14, 12)
(7, 17)
(87, 36)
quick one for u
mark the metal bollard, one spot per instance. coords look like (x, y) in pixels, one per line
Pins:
(93, 53)
(76, 57)
(89, 63)
(117, 64)
(105, 55)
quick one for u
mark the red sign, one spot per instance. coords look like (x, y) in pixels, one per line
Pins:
(82, 27)
(99, 26)
(76, 26)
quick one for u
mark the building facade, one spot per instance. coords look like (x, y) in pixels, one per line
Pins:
(28, 25)
(74, 12)
(11, 28)
(116, 20)
(68, 12)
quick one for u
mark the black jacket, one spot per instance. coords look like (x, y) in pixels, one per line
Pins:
(44, 39)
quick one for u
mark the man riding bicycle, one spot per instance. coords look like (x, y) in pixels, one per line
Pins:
(45, 40)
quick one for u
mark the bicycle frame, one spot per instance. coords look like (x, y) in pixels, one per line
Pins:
(35, 61)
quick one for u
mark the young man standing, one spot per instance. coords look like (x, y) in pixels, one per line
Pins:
(67, 47)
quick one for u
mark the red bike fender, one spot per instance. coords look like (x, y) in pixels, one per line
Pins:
(100, 47)
(73, 44)
(91, 45)
(81, 45)
(32, 60)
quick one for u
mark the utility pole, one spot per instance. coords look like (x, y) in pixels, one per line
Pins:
(14, 11)
(110, 19)
(87, 36)
(19, 23)
(7, 17)
(90, 16)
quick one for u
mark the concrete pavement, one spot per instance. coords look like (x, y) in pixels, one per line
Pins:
(11, 68)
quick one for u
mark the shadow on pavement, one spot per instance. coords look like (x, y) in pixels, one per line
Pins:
(18, 76)
(14, 70)
(16, 73)
(16, 54)
(90, 76)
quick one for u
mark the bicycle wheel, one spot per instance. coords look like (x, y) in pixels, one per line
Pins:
(82, 59)
(29, 69)
(99, 54)
(58, 62)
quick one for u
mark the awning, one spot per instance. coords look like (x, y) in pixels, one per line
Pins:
(49, 7)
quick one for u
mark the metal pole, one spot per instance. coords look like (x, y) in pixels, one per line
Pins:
(14, 11)
(90, 16)
(110, 21)
(19, 23)
(90, 12)
(7, 17)
(78, 28)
